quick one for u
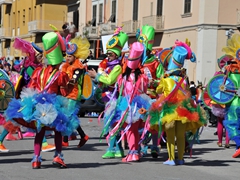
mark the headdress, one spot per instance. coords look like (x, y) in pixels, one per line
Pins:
(37, 49)
(232, 53)
(79, 47)
(146, 36)
(28, 49)
(54, 46)
(135, 55)
(180, 53)
(233, 46)
(117, 41)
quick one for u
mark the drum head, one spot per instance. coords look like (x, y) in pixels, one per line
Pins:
(7, 92)
(3, 74)
(87, 89)
(216, 89)
(206, 99)
(222, 61)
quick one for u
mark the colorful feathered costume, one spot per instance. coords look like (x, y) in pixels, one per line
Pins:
(154, 70)
(77, 50)
(232, 117)
(123, 112)
(21, 79)
(175, 112)
(108, 72)
(43, 105)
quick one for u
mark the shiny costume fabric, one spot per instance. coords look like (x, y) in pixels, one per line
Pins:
(232, 120)
(179, 107)
(76, 92)
(43, 106)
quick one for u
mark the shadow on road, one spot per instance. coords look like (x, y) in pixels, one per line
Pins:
(84, 165)
(211, 163)
(16, 153)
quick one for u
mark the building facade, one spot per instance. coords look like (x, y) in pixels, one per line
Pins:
(206, 23)
(29, 20)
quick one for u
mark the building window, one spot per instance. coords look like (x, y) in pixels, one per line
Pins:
(35, 13)
(100, 13)
(113, 16)
(24, 17)
(151, 9)
(18, 24)
(30, 14)
(187, 6)
(135, 10)
(94, 15)
(41, 10)
(76, 19)
(159, 7)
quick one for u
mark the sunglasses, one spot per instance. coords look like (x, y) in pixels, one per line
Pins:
(110, 54)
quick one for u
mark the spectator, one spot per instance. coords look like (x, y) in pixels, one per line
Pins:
(90, 55)
(72, 28)
(102, 55)
(193, 90)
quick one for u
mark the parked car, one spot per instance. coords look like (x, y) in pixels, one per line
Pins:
(91, 105)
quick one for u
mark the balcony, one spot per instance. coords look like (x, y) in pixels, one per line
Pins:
(131, 26)
(90, 31)
(156, 21)
(6, 2)
(5, 33)
(42, 26)
(107, 28)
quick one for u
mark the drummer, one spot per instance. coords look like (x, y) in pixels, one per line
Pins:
(77, 49)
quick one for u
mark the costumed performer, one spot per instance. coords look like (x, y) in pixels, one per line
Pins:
(108, 72)
(175, 112)
(76, 49)
(219, 111)
(229, 88)
(124, 111)
(33, 59)
(43, 105)
(154, 70)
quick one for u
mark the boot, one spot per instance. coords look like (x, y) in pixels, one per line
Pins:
(36, 162)
(58, 161)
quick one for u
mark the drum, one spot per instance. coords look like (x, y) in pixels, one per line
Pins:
(206, 99)
(222, 61)
(7, 92)
(3, 74)
(219, 92)
(87, 87)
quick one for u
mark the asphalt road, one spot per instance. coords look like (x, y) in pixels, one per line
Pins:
(208, 161)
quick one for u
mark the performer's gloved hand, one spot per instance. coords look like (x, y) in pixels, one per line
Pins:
(142, 110)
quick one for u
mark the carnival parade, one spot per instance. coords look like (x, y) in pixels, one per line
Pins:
(145, 96)
(149, 103)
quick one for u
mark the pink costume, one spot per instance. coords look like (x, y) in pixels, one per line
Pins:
(132, 97)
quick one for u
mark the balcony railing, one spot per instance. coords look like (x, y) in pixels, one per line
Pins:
(43, 25)
(131, 26)
(156, 21)
(5, 33)
(107, 28)
(1, 32)
(90, 31)
(6, 2)
(238, 18)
